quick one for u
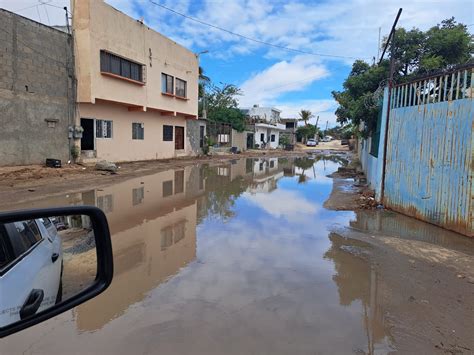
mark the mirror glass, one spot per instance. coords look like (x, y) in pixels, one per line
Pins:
(43, 262)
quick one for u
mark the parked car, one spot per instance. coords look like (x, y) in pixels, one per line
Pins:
(311, 143)
(30, 268)
(327, 139)
(344, 141)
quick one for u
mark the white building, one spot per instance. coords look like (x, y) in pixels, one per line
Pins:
(266, 125)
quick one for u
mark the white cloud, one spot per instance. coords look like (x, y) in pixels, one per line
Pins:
(283, 203)
(323, 108)
(281, 77)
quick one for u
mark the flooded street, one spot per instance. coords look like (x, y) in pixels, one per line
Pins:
(244, 259)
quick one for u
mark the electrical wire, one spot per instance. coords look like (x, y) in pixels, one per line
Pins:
(249, 38)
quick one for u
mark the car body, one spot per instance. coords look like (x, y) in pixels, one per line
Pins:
(344, 141)
(30, 268)
(311, 142)
(327, 139)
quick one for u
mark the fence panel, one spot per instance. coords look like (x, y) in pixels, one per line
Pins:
(429, 168)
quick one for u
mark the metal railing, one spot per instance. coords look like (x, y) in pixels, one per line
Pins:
(454, 85)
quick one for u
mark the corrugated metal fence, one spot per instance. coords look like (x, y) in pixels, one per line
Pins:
(429, 168)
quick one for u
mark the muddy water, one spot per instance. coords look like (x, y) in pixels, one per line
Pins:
(238, 259)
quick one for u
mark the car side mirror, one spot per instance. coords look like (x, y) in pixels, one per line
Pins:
(51, 260)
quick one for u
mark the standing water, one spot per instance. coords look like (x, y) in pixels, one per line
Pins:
(235, 259)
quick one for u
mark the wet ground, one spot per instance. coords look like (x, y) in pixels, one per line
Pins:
(244, 258)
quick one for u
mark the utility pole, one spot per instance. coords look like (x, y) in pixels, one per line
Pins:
(378, 44)
(391, 41)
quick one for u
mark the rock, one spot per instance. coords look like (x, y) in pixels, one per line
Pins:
(106, 166)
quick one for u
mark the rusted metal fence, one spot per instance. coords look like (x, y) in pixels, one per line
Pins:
(429, 167)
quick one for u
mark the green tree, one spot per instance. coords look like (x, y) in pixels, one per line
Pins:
(415, 53)
(203, 81)
(305, 132)
(305, 116)
(222, 106)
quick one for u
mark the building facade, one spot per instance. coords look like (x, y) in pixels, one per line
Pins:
(291, 124)
(266, 124)
(136, 88)
(37, 91)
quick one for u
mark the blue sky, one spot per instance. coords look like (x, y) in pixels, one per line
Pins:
(269, 76)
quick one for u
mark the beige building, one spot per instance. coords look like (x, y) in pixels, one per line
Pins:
(136, 88)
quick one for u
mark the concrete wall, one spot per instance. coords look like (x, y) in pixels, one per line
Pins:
(373, 166)
(36, 91)
(193, 137)
(239, 139)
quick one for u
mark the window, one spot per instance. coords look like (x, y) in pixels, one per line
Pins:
(111, 63)
(166, 237)
(167, 188)
(6, 250)
(168, 133)
(290, 125)
(167, 83)
(223, 138)
(105, 203)
(272, 138)
(138, 195)
(272, 164)
(262, 137)
(179, 231)
(138, 131)
(180, 88)
(29, 234)
(103, 129)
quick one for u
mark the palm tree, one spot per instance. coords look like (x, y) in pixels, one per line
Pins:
(203, 81)
(305, 115)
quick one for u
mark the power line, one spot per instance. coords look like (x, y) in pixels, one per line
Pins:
(249, 38)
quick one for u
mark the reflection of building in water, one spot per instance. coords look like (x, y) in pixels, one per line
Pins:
(356, 280)
(152, 220)
(225, 183)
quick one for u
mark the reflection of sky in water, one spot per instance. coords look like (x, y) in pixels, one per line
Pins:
(263, 281)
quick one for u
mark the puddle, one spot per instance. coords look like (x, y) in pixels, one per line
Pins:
(237, 259)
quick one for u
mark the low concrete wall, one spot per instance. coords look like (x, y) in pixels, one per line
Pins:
(239, 139)
(37, 91)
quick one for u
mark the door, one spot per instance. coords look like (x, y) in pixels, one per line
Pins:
(87, 140)
(249, 140)
(178, 137)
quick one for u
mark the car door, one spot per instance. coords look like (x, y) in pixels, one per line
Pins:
(32, 276)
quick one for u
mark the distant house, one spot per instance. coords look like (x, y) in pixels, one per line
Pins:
(290, 128)
(265, 123)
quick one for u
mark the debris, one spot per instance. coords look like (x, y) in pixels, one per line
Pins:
(106, 166)
(460, 276)
(31, 190)
(53, 163)
(411, 299)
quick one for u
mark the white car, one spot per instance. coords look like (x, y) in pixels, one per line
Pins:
(30, 268)
(311, 143)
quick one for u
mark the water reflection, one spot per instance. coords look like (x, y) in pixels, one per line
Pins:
(357, 281)
(233, 257)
